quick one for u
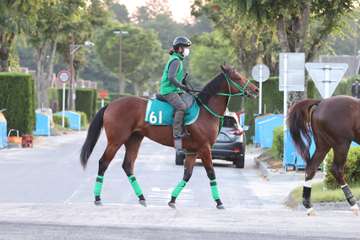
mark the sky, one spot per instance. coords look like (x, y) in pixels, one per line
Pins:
(180, 9)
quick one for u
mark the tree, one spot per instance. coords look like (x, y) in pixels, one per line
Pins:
(120, 12)
(141, 52)
(299, 26)
(15, 17)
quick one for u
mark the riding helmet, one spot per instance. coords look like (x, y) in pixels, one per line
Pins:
(181, 41)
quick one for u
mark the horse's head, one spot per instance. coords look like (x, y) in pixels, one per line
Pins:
(239, 83)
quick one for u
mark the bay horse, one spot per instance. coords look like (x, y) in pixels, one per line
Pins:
(123, 121)
(333, 123)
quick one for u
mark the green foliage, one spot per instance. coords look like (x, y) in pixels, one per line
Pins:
(84, 119)
(352, 168)
(344, 87)
(209, 51)
(58, 121)
(17, 96)
(278, 142)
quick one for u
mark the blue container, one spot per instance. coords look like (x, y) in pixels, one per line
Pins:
(291, 156)
(266, 129)
(258, 120)
(43, 124)
(74, 119)
(3, 135)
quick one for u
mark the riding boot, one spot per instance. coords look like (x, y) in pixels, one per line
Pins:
(178, 132)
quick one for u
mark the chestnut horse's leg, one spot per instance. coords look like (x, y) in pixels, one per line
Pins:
(188, 169)
(104, 162)
(132, 148)
(340, 155)
(311, 167)
(207, 162)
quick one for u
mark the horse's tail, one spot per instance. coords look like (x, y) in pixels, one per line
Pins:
(92, 136)
(299, 117)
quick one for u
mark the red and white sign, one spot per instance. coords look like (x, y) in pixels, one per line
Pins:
(103, 94)
(63, 76)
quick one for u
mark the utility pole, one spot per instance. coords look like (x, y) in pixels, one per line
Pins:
(122, 84)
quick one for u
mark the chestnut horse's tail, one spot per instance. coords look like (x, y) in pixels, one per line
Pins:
(298, 120)
(92, 136)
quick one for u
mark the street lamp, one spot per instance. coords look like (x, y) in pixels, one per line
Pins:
(72, 50)
(120, 33)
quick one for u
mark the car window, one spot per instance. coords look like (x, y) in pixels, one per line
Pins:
(223, 138)
(229, 122)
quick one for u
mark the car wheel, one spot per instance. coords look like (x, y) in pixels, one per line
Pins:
(179, 158)
(239, 161)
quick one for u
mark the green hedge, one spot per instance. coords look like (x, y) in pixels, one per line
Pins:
(352, 168)
(58, 120)
(278, 142)
(84, 119)
(85, 101)
(17, 95)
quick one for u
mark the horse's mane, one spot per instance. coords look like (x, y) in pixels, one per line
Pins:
(211, 88)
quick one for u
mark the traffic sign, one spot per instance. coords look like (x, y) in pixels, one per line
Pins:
(103, 94)
(291, 67)
(326, 76)
(260, 73)
(63, 76)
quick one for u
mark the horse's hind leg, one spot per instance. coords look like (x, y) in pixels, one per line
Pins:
(311, 167)
(188, 169)
(132, 148)
(340, 155)
(104, 162)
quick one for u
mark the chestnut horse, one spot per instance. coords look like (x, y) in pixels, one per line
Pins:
(123, 121)
(333, 123)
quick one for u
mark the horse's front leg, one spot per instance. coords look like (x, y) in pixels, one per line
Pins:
(188, 169)
(207, 162)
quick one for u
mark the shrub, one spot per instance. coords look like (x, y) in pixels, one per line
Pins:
(86, 101)
(58, 120)
(17, 95)
(278, 142)
(84, 119)
(352, 168)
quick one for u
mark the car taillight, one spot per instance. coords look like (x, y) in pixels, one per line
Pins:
(237, 149)
(237, 132)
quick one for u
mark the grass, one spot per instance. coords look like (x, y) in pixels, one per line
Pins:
(319, 194)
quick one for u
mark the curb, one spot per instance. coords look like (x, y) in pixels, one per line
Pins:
(263, 168)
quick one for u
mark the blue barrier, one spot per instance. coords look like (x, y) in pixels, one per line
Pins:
(264, 129)
(43, 124)
(74, 119)
(3, 135)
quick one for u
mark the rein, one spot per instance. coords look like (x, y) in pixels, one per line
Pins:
(229, 94)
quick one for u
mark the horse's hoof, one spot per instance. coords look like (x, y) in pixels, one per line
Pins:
(355, 209)
(98, 202)
(172, 205)
(220, 206)
(311, 212)
(143, 203)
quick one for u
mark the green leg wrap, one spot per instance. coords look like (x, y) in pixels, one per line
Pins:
(98, 185)
(214, 190)
(175, 193)
(135, 185)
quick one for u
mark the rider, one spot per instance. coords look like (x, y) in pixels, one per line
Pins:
(172, 84)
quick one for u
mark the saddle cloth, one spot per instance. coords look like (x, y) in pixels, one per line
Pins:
(161, 113)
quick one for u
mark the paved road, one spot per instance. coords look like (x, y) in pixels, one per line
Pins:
(46, 195)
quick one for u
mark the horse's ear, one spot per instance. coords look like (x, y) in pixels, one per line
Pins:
(223, 67)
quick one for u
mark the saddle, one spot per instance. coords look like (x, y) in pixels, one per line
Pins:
(159, 112)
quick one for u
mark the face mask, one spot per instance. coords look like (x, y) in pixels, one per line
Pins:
(186, 52)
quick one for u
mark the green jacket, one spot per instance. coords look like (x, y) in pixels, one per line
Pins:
(166, 86)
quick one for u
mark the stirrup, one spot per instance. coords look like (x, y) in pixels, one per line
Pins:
(178, 143)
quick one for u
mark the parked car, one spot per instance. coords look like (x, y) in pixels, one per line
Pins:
(229, 145)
